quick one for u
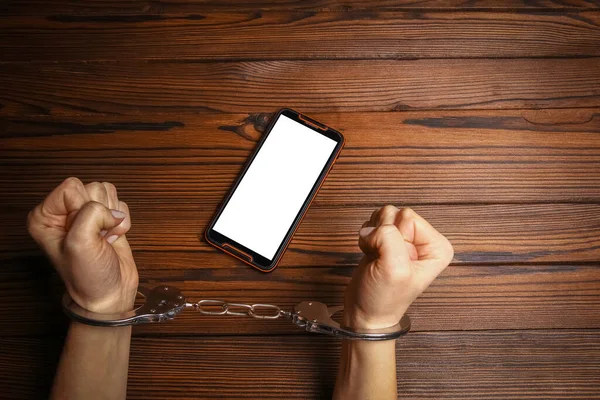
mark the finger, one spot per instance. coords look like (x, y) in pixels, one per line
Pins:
(383, 216)
(113, 199)
(121, 245)
(428, 270)
(67, 197)
(47, 222)
(387, 215)
(385, 241)
(124, 226)
(97, 192)
(415, 228)
(90, 221)
(430, 243)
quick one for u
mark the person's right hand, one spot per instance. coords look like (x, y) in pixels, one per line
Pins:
(82, 230)
(403, 255)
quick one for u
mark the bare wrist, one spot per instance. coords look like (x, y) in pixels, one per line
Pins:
(356, 319)
(112, 304)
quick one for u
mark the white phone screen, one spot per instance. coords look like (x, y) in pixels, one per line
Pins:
(268, 198)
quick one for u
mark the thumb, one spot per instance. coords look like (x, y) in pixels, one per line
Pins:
(385, 242)
(92, 221)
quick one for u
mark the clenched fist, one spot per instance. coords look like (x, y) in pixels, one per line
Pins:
(82, 230)
(403, 255)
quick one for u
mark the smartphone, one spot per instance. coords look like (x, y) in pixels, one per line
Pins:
(260, 214)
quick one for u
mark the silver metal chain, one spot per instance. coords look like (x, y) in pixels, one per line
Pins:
(164, 303)
(219, 307)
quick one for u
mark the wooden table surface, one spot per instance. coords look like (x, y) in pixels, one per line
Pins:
(485, 118)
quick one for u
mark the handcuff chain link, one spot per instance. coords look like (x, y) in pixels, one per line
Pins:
(164, 303)
(258, 311)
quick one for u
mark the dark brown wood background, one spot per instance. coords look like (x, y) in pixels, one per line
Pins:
(483, 116)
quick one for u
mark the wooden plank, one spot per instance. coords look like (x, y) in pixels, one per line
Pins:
(512, 156)
(311, 86)
(451, 365)
(328, 236)
(153, 8)
(230, 36)
(465, 297)
(480, 234)
(433, 366)
(27, 366)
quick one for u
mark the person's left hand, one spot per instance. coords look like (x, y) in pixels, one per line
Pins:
(82, 230)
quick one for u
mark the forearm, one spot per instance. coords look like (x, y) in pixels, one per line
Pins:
(93, 364)
(367, 371)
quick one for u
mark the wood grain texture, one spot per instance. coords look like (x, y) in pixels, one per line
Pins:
(484, 116)
(328, 236)
(148, 7)
(464, 298)
(432, 366)
(27, 366)
(400, 158)
(311, 86)
(230, 36)
(453, 365)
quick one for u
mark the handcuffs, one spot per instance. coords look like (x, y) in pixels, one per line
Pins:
(164, 303)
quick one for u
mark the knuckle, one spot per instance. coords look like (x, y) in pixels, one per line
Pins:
(387, 211)
(72, 183)
(407, 213)
(95, 187)
(110, 188)
(72, 190)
